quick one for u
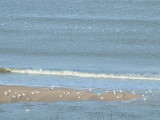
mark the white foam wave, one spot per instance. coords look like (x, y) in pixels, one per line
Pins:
(85, 75)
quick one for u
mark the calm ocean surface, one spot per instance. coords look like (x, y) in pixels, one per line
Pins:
(81, 44)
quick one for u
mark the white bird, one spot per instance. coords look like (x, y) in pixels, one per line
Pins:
(79, 97)
(60, 96)
(102, 98)
(27, 110)
(78, 93)
(99, 94)
(19, 96)
(37, 92)
(114, 92)
(144, 99)
(90, 89)
(107, 91)
(118, 97)
(9, 91)
(13, 96)
(5, 93)
(134, 93)
(24, 94)
(120, 91)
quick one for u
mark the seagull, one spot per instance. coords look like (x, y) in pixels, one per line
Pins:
(144, 99)
(99, 94)
(24, 94)
(102, 98)
(120, 91)
(134, 93)
(60, 96)
(13, 96)
(27, 110)
(78, 93)
(79, 97)
(90, 89)
(5, 93)
(19, 96)
(107, 91)
(114, 92)
(9, 90)
(37, 92)
(118, 97)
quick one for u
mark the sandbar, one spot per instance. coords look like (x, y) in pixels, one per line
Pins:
(14, 94)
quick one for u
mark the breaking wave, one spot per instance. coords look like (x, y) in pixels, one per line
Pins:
(81, 74)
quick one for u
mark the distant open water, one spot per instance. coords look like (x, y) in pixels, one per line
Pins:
(99, 44)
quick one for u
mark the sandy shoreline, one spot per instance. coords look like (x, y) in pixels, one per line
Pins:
(11, 94)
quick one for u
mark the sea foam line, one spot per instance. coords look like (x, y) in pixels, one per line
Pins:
(84, 75)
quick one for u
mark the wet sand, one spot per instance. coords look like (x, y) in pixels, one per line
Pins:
(13, 94)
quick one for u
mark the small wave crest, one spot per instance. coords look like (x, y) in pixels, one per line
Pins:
(81, 74)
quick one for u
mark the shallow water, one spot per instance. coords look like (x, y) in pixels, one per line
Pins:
(83, 110)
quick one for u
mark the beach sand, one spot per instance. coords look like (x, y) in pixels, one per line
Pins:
(12, 94)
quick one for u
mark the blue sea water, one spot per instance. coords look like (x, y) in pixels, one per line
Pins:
(82, 40)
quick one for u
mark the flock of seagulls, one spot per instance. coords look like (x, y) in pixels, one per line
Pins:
(68, 93)
(16, 95)
(119, 94)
